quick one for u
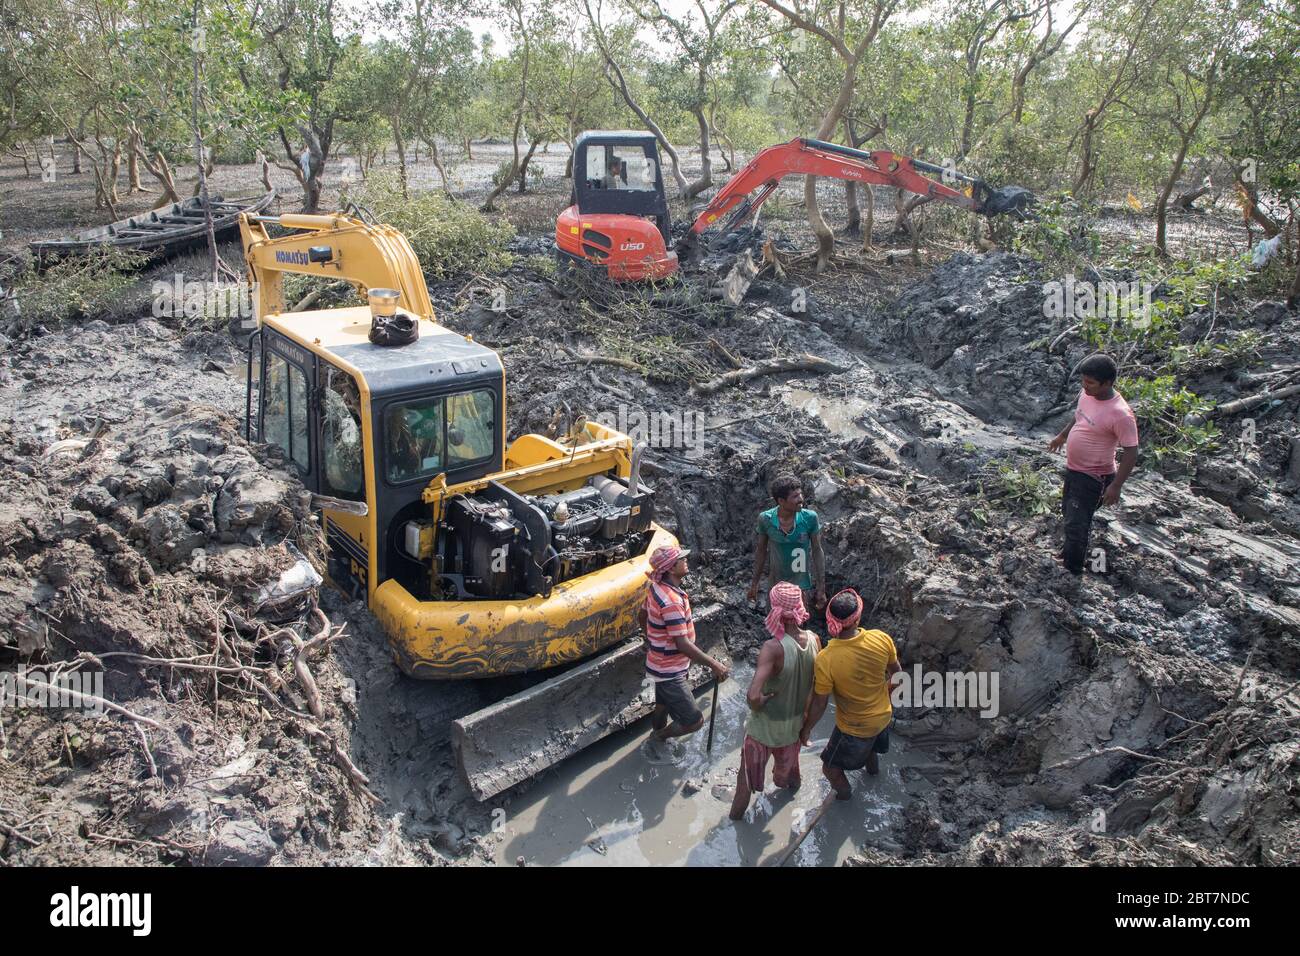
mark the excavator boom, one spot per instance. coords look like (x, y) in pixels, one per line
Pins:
(757, 180)
(744, 193)
(334, 246)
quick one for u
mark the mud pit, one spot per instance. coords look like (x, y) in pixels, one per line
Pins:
(1147, 716)
(613, 806)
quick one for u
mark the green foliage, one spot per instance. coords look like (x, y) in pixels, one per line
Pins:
(1060, 236)
(1030, 491)
(79, 287)
(1172, 419)
(542, 265)
(449, 236)
(1183, 288)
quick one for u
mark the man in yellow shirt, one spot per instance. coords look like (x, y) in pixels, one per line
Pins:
(856, 667)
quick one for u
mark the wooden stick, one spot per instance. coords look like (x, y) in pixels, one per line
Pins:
(799, 363)
(821, 811)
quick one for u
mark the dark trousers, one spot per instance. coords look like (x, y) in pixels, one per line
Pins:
(1080, 499)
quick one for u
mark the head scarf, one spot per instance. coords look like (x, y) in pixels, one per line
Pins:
(663, 559)
(837, 626)
(787, 605)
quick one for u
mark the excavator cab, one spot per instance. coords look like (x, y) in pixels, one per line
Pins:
(619, 219)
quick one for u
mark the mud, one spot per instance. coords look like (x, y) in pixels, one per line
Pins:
(1147, 714)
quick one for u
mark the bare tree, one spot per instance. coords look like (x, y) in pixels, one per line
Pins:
(834, 23)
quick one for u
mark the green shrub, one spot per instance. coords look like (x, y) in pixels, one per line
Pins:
(1059, 235)
(449, 236)
(1031, 491)
(1172, 419)
(78, 287)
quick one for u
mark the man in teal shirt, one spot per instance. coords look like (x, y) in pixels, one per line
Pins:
(788, 544)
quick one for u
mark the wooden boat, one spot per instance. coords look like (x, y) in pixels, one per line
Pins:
(159, 233)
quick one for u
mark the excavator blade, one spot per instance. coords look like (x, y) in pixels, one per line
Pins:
(519, 737)
(737, 281)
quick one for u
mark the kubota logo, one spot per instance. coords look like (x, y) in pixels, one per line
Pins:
(631, 246)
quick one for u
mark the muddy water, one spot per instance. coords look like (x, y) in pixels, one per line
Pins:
(838, 414)
(611, 806)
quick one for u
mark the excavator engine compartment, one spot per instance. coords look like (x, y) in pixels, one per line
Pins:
(499, 544)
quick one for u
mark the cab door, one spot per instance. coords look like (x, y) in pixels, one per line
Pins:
(341, 465)
(286, 414)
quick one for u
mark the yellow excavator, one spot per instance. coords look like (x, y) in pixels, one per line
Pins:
(480, 557)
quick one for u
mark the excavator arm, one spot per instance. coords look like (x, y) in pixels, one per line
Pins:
(756, 181)
(333, 247)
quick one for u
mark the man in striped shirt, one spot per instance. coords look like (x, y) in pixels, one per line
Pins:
(670, 648)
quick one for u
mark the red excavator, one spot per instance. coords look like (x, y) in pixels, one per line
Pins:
(619, 220)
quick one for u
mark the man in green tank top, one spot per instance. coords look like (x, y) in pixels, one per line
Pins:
(778, 698)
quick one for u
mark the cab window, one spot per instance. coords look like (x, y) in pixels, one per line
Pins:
(341, 456)
(620, 167)
(426, 436)
(471, 427)
(284, 411)
(413, 431)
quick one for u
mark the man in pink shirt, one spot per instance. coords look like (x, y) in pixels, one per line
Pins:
(1102, 423)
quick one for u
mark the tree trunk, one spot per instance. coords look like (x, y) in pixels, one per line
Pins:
(201, 158)
(706, 161)
(1162, 201)
(499, 188)
(869, 225)
(826, 238)
(1250, 207)
(523, 166)
(401, 152)
(436, 159)
(1086, 169)
(133, 184)
(851, 200)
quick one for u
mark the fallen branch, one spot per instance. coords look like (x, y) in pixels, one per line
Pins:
(359, 780)
(148, 755)
(1244, 404)
(79, 697)
(1101, 753)
(799, 363)
(612, 389)
(589, 359)
(726, 354)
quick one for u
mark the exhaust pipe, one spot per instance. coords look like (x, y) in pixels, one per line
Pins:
(634, 477)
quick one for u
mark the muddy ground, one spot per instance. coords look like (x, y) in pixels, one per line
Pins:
(1148, 715)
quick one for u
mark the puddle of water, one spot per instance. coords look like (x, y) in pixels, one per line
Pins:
(610, 806)
(837, 414)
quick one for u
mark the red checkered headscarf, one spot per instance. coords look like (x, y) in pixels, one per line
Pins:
(787, 605)
(837, 626)
(663, 559)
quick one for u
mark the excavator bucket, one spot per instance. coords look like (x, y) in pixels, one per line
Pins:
(517, 738)
(1009, 200)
